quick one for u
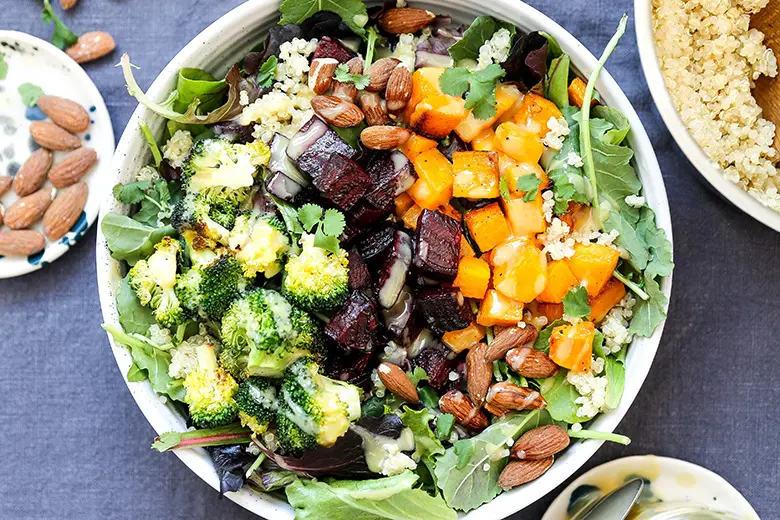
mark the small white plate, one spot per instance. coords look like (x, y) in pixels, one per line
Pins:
(671, 480)
(32, 60)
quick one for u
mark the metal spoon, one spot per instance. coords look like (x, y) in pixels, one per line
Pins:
(616, 505)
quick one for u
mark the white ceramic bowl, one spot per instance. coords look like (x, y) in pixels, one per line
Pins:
(224, 42)
(643, 19)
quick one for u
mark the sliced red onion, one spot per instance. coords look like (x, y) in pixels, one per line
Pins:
(392, 275)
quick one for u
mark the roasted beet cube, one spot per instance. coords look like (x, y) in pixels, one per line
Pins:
(392, 274)
(456, 144)
(392, 174)
(359, 277)
(312, 146)
(434, 359)
(332, 48)
(353, 367)
(342, 181)
(443, 309)
(437, 245)
(377, 242)
(354, 325)
(364, 214)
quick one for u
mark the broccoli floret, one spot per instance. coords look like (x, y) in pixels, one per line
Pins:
(319, 406)
(260, 244)
(209, 291)
(257, 405)
(260, 337)
(210, 391)
(316, 280)
(199, 250)
(154, 281)
(293, 440)
(193, 212)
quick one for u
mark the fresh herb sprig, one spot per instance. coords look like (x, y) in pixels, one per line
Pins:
(30, 94)
(329, 225)
(530, 185)
(575, 303)
(62, 36)
(343, 75)
(480, 85)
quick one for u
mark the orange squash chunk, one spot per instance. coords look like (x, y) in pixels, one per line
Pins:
(497, 309)
(476, 175)
(512, 170)
(473, 277)
(559, 282)
(402, 203)
(526, 219)
(484, 142)
(437, 116)
(460, 340)
(519, 269)
(613, 293)
(487, 226)
(506, 96)
(577, 93)
(411, 216)
(465, 248)
(448, 210)
(534, 113)
(571, 346)
(517, 142)
(433, 187)
(593, 265)
(416, 145)
(425, 82)
(551, 311)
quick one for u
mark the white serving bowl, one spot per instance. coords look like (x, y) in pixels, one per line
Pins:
(643, 19)
(224, 42)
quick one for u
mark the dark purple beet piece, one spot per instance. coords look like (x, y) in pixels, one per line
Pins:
(377, 242)
(342, 181)
(353, 367)
(392, 274)
(392, 174)
(359, 277)
(437, 245)
(456, 144)
(443, 309)
(365, 215)
(332, 48)
(312, 146)
(434, 360)
(354, 325)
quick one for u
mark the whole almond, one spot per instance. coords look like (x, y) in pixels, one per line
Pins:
(348, 91)
(21, 243)
(321, 74)
(509, 338)
(540, 443)
(405, 20)
(68, 4)
(51, 136)
(479, 373)
(64, 113)
(2, 214)
(384, 137)
(32, 174)
(5, 183)
(65, 210)
(520, 472)
(529, 362)
(459, 405)
(72, 167)
(373, 107)
(399, 89)
(379, 73)
(28, 210)
(505, 397)
(91, 46)
(336, 111)
(397, 382)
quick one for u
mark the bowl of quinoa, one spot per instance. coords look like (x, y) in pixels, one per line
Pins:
(701, 59)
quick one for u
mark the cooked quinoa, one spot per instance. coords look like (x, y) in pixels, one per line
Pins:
(710, 58)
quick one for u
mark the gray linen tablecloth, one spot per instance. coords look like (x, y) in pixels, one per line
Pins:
(73, 444)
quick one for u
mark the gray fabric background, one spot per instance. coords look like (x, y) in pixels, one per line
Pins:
(73, 444)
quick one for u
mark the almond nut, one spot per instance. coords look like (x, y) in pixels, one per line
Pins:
(32, 174)
(384, 137)
(64, 113)
(91, 46)
(21, 243)
(540, 443)
(68, 4)
(505, 397)
(399, 89)
(321, 74)
(529, 362)
(479, 373)
(397, 382)
(51, 136)
(5, 183)
(336, 111)
(509, 338)
(28, 210)
(405, 20)
(373, 107)
(379, 73)
(2, 214)
(348, 91)
(459, 405)
(73, 167)
(65, 211)
(522, 471)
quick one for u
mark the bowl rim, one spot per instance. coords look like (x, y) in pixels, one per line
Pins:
(507, 503)
(648, 56)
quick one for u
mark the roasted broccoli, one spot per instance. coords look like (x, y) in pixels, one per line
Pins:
(257, 405)
(209, 291)
(154, 281)
(200, 251)
(316, 280)
(193, 212)
(262, 334)
(210, 391)
(260, 244)
(314, 406)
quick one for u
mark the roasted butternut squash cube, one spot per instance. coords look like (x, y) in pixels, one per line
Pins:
(497, 309)
(425, 82)
(571, 346)
(476, 175)
(473, 277)
(560, 281)
(433, 187)
(510, 114)
(593, 265)
(487, 226)
(526, 219)
(460, 340)
(534, 113)
(613, 293)
(551, 311)
(411, 216)
(416, 145)
(506, 96)
(448, 210)
(402, 203)
(484, 142)
(465, 248)
(425, 196)
(577, 93)
(517, 142)
(519, 269)
(437, 116)
(513, 170)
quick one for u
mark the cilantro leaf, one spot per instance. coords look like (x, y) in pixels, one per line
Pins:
(131, 193)
(361, 81)
(575, 303)
(417, 375)
(455, 81)
(481, 84)
(30, 93)
(333, 223)
(267, 72)
(3, 67)
(309, 215)
(328, 243)
(62, 36)
(503, 188)
(353, 12)
(530, 185)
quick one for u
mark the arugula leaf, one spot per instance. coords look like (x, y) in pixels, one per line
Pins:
(3, 67)
(561, 396)
(30, 94)
(428, 396)
(371, 39)
(648, 313)
(444, 424)
(147, 133)
(619, 122)
(542, 342)
(481, 98)
(427, 446)
(660, 261)
(199, 87)
(129, 239)
(309, 215)
(569, 183)
(557, 81)
(62, 36)
(353, 12)
(361, 81)
(575, 303)
(615, 372)
(133, 317)
(267, 72)
(530, 185)
(480, 31)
